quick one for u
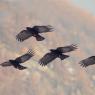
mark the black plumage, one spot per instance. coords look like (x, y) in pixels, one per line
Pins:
(34, 31)
(16, 63)
(56, 53)
(88, 61)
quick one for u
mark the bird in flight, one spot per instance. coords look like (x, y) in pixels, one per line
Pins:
(57, 53)
(34, 31)
(88, 61)
(16, 63)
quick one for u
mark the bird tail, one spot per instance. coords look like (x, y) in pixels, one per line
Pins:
(39, 38)
(62, 57)
(20, 67)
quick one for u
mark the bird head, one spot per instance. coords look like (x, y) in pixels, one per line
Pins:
(52, 50)
(11, 61)
(29, 28)
(93, 57)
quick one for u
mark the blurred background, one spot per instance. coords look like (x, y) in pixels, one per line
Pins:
(73, 22)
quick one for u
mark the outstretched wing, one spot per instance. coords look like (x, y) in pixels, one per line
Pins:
(25, 57)
(43, 29)
(88, 61)
(67, 48)
(47, 58)
(23, 35)
(5, 64)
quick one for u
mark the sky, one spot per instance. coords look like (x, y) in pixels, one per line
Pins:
(88, 5)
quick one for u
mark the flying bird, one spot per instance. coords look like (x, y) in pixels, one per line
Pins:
(34, 31)
(16, 63)
(56, 53)
(88, 61)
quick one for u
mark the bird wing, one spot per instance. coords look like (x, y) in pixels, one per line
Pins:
(67, 48)
(43, 29)
(25, 57)
(47, 58)
(88, 61)
(4, 64)
(23, 35)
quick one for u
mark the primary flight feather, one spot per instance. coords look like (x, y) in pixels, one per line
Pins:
(88, 61)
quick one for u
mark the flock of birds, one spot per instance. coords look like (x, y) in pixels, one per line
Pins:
(59, 52)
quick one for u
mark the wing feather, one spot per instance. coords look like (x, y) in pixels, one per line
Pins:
(6, 64)
(67, 48)
(43, 29)
(23, 35)
(25, 57)
(88, 61)
(47, 58)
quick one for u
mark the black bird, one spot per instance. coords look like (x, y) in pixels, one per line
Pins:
(16, 63)
(88, 61)
(34, 31)
(56, 53)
